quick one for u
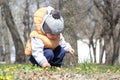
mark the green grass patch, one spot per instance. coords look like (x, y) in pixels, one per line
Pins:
(15, 71)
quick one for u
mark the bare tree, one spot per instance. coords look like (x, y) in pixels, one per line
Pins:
(69, 32)
(110, 32)
(2, 56)
(26, 22)
(20, 58)
(6, 38)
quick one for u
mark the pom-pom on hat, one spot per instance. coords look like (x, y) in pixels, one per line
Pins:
(54, 23)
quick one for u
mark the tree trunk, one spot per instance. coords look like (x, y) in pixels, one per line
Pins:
(107, 35)
(26, 22)
(109, 50)
(6, 39)
(7, 46)
(70, 36)
(20, 57)
(70, 60)
(116, 49)
(1, 44)
(102, 50)
(111, 14)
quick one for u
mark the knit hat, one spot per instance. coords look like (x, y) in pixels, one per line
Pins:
(53, 23)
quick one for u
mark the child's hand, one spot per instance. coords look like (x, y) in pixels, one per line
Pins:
(71, 51)
(46, 64)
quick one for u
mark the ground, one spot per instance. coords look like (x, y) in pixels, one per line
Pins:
(81, 72)
(46, 75)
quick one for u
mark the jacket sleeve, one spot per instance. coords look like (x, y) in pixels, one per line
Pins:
(64, 44)
(37, 50)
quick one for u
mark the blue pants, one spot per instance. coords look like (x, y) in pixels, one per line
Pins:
(54, 57)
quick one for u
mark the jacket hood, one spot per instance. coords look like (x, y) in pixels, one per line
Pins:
(40, 16)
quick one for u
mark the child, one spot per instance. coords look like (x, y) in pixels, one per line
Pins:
(47, 42)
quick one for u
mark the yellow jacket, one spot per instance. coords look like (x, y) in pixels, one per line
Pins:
(39, 17)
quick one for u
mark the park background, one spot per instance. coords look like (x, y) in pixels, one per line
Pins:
(92, 27)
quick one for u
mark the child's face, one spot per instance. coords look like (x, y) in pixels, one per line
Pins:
(52, 36)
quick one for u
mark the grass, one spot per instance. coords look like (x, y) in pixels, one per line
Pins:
(27, 71)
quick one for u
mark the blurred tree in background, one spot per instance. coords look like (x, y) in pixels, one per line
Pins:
(95, 20)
